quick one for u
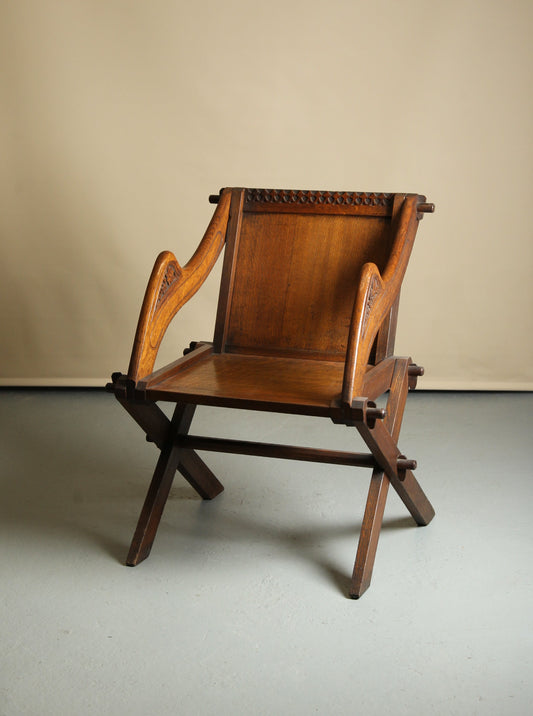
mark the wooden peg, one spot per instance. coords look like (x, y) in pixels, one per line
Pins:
(425, 208)
(375, 413)
(372, 414)
(192, 346)
(416, 370)
(403, 464)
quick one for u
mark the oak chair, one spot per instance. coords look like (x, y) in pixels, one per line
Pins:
(305, 324)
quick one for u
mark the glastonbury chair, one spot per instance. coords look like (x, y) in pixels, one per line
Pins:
(305, 324)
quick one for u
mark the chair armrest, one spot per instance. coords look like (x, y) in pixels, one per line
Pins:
(171, 286)
(375, 297)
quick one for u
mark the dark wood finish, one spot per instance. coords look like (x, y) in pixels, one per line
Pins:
(386, 337)
(228, 270)
(254, 382)
(386, 452)
(378, 378)
(285, 452)
(198, 475)
(306, 324)
(173, 456)
(166, 373)
(150, 418)
(159, 430)
(376, 296)
(303, 201)
(159, 488)
(379, 486)
(309, 267)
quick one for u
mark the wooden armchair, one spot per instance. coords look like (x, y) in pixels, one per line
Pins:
(305, 324)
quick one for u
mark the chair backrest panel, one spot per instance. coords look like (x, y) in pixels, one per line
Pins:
(295, 274)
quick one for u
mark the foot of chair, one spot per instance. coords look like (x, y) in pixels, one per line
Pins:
(415, 500)
(172, 457)
(154, 504)
(199, 476)
(135, 557)
(370, 530)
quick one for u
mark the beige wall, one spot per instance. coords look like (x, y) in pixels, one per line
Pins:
(119, 117)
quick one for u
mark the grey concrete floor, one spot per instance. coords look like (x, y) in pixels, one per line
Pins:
(241, 607)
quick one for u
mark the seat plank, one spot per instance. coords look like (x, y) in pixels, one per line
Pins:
(291, 385)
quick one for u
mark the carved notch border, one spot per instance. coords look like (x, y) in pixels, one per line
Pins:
(299, 196)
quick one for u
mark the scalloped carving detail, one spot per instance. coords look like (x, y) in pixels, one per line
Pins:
(373, 292)
(340, 198)
(172, 274)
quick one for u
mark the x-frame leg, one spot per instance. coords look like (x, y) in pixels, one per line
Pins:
(178, 452)
(165, 434)
(408, 489)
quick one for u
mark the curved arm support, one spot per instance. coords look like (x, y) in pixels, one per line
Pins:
(171, 286)
(374, 299)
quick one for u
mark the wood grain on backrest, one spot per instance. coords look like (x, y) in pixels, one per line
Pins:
(292, 268)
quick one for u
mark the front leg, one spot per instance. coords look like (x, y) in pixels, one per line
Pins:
(171, 458)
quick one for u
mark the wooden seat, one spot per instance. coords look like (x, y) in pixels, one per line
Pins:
(282, 384)
(305, 324)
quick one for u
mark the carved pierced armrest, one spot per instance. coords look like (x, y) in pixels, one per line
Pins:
(376, 295)
(171, 286)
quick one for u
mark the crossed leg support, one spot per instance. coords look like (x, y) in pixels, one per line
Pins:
(382, 441)
(164, 434)
(178, 454)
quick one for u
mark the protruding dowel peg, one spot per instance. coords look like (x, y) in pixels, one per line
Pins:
(110, 387)
(375, 413)
(415, 369)
(425, 208)
(403, 464)
(192, 346)
(214, 198)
